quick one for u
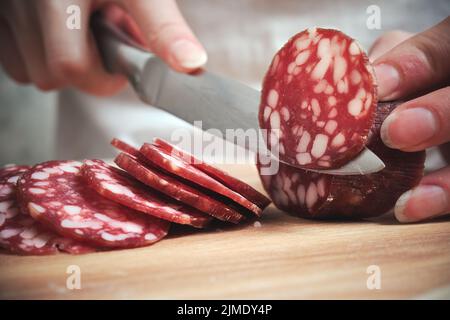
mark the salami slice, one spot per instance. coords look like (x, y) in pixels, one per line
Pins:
(318, 100)
(55, 194)
(314, 195)
(118, 186)
(181, 168)
(125, 147)
(21, 234)
(8, 179)
(231, 182)
(12, 169)
(176, 189)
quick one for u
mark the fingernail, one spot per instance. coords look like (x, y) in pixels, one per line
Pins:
(188, 54)
(388, 80)
(423, 202)
(408, 128)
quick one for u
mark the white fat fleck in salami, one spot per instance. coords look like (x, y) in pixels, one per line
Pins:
(338, 140)
(319, 145)
(355, 107)
(41, 184)
(355, 77)
(331, 126)
(75, 210)
(29, 233)
(315, 107)
(275, 120)
(332, 102)
(321, 86)
(354, 48)
(37, 190)
(301, 194)
(8, 233)
(321, 68)
(304, 142)
(40, 175)
(285, 113)
(302, 57)
(83, 224)
(72, 210)
(320, 124)
(150, 237)
(272, 98)
(311, 195)
(37, 209)
(333, 113)
(6, 190)
(335, 82)
(340, 68)
(303, 158)
(302, 43)
(321, 187)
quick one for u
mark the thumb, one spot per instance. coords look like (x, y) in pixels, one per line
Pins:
(419, 63)
(167, 33)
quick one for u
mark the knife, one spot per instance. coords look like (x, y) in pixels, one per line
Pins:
(227, 103)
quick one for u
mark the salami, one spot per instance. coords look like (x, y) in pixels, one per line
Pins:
(125, 147)
(118, 186)
(313, 195)
(176, 189)
(21, 234)
(231, 182)
(12, 169)
(181, 168)
(8, 179)
(318, 100)
(55, 194)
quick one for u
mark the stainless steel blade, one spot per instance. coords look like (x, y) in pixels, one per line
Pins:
(366, 162)
(218, 102)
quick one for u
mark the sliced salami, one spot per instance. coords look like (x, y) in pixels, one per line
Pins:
(8, 179)
(55, 194)
(176, 189)
(313, 195)
(318, 100)
(21, 234)
(231, 182)
(181, 168)
(12, 169)
(120, 187)
(125, 147)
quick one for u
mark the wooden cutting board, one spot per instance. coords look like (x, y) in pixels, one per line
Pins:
(285, 257)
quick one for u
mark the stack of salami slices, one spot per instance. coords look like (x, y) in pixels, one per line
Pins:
(80, 207)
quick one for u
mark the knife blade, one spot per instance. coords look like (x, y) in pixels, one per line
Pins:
(227, 103)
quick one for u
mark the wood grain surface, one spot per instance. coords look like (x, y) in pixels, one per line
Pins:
(285, 257)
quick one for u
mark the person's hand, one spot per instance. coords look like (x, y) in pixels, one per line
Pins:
(419, 65)
(37, 47)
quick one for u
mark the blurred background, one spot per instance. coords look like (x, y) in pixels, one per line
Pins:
(241, 37)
